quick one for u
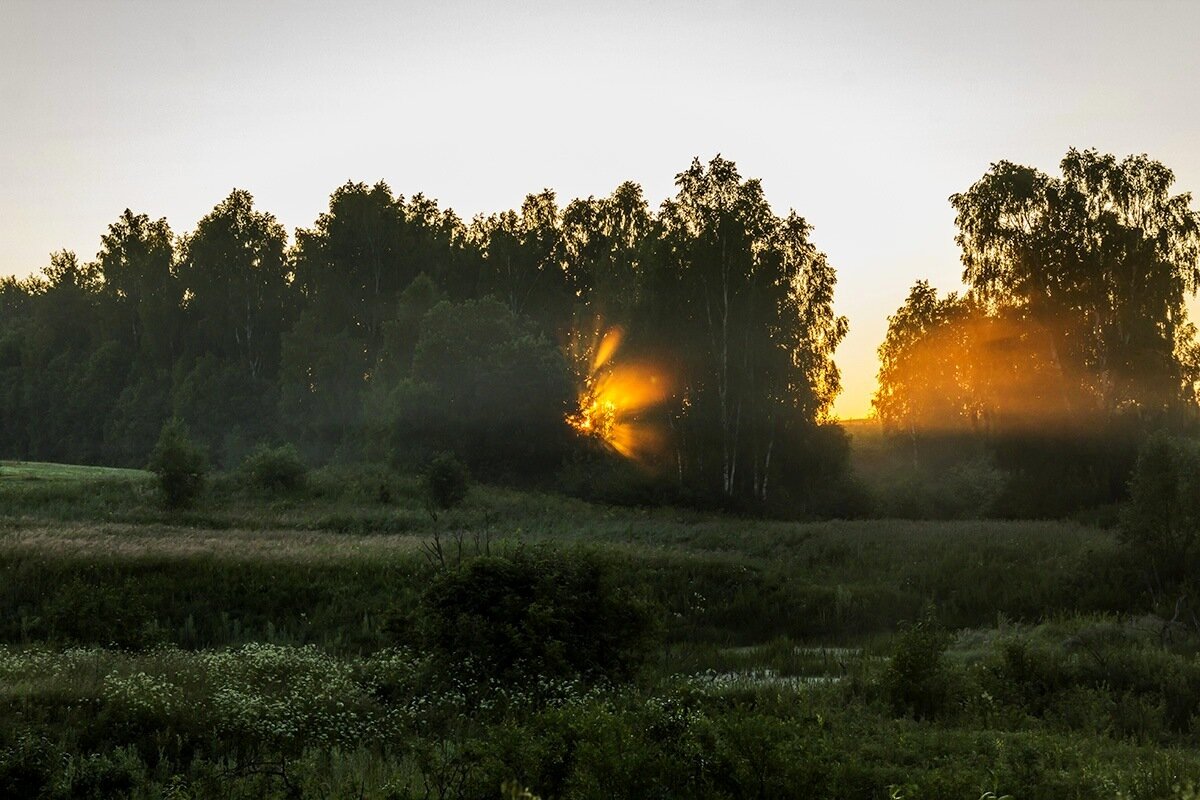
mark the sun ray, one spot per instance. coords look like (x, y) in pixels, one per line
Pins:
(614, 397)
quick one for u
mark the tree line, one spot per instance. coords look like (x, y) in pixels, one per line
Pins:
(1071, 341)
(391, 330)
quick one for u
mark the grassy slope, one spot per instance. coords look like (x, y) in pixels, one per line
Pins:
(42, 471)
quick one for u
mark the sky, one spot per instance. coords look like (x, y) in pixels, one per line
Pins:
(862, 116)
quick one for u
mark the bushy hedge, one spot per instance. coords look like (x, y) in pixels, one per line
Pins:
(275, 468)
(445, 482)
(533, 614)
(179, 464)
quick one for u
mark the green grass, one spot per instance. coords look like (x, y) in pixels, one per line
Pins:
(246, 648)
(331, 564)
(728, 583)
(69, 473)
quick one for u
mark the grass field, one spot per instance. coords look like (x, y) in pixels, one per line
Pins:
(74, 473)
(255, 647)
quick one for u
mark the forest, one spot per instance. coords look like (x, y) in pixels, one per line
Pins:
(392, 330)
(552, 503)
(683, 355)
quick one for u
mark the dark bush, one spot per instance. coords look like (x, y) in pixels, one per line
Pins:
(275, 468)
(179, 464)
(1160, 529)
(533, 614)
(1026, 676)
(27, 768)
(105, 776)
(918, 679)
(364, 483)
(445, 482)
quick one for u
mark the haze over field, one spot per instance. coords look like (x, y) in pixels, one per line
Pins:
(862, 119)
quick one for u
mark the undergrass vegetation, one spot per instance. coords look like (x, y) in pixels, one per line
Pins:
(324, 640)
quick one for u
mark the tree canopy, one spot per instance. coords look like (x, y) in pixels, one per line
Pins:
(391, 328)
(1072, 338)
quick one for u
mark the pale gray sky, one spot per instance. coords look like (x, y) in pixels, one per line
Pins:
(863, 116)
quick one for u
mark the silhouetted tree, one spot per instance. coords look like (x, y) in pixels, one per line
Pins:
(236, 273)
(136, 262)
(749, 299)
(522, 261)
(1098, 264)
(1073, 338)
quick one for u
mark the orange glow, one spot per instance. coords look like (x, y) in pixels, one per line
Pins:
(613, 397)
(995, 372)
(608, 345)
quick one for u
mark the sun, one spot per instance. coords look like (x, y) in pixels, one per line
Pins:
(615, 397)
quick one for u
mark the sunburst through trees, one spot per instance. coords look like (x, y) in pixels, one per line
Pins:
(615, 396)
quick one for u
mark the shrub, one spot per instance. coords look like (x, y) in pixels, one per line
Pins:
(103, 776)
(533, 614)
(370, 483)
(180, 465)
(445, 482)
(1160, 529)
(27, 767)
(275, 468)
(1027, 676)
(918, 679)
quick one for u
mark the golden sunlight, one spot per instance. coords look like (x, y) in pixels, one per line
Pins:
(613, 396)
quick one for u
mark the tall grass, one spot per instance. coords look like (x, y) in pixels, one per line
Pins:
(258, 647)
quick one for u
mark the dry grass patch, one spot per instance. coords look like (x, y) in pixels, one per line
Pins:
(127, 541)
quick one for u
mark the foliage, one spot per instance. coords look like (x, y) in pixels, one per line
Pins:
(1072, 341)
(445, 482)
(533, 614)
(27, 767)
(918, 677)
(179, 464)
(285, 722)
(1160, 529)
(392, 330)
(275, 468)
(262, 664)
(482, 374)
(326, 565)
(1106, 676)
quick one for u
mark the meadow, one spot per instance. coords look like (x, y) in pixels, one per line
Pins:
(268, 643)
